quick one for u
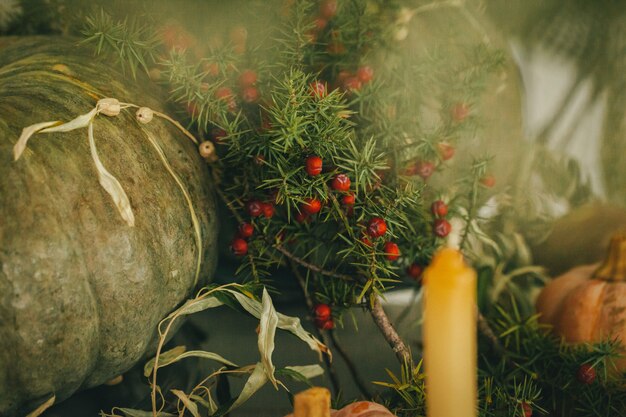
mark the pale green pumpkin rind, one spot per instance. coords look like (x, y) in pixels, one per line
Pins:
(81, 293)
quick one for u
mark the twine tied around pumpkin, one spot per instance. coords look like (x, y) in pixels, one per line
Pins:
(109, 107)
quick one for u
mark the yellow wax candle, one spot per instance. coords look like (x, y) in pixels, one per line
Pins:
(450, 336)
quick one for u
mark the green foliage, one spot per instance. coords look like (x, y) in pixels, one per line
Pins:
(132, 43)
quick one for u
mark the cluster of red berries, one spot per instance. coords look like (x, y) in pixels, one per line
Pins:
(425, 168)
(353, 81)
(313, 166)
(255, 208)
(247, 82)
(239, 246)
(441, 227)
(377, 227)
(327, 10)
(323, 317)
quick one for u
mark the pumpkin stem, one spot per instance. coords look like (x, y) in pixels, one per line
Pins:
(614, 266)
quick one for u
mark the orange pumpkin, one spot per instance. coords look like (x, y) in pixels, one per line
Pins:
(588, 303)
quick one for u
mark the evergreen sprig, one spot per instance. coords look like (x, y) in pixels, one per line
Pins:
(131, 42)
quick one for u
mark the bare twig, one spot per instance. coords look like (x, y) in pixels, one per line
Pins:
(310, 266)
(332, 373)
(350, 364)
(389, 332)
(487, 331)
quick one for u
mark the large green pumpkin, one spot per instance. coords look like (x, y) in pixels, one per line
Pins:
(81, 292)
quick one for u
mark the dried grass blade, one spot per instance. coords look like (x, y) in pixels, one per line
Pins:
(27, 132)
(110, 184)
(43, 407)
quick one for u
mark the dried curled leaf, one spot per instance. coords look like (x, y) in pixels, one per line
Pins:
(188, 403)
(27, 132)
(291, 324)
(267, 332)
(253, 384)
(173, 357)
(307, 371)
(110, 184)
(165, 358)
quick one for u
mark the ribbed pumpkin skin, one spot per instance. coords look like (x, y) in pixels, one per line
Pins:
(81, 292)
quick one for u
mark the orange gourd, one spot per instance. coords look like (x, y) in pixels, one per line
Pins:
(588, 303)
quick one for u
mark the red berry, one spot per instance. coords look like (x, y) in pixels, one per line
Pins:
(365, 240)
(246, 230)
(255, 208)
(318, 89)
(311, 205)
(328, 8)
(352, 84)
(322, 311)
(313, 165)
(376, 227)
(414, 271)
(527, 409)
(224, 93)
(211, 68)
(268, 210)
(239, 246)
(445, 150)
(586, 374)
(302, 217)
(439, 208)
(341, 182)
(365, 74)
(442, 227)
(488, 181)
(325, 324)
(425, 169)
(460, 111)
(247, 78)
(320, 24)
(392, 251)
(250, 94)
(348, 200)
(218, 134)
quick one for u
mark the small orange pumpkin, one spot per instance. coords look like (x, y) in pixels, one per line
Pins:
(588, 303)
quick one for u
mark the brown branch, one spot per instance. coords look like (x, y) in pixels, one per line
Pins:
(487, 331)
(310, 266)
(356, 377)
(332, 373)
(389, 332)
